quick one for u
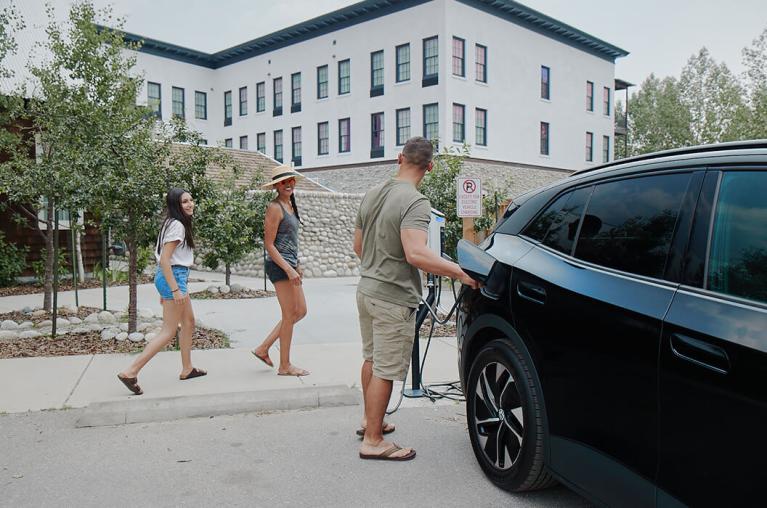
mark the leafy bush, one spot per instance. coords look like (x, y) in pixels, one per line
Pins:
(145, 254)
(113, 275)
(39, 266)
(13, 260)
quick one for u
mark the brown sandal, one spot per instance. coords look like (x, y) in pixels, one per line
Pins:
(387, 454)
(195, 372)
(131, 383)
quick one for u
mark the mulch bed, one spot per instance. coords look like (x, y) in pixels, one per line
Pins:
(91, 343)
(253, 293)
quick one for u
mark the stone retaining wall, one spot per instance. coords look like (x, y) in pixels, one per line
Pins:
(324, 239)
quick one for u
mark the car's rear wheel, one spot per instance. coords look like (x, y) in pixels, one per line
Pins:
(506, 418)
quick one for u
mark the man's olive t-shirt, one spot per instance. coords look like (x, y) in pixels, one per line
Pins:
(385, 210)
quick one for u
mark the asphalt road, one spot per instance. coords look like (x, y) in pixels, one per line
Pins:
(306, 458)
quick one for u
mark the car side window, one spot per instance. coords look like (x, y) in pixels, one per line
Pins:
(737, 261)
(629, 224)
(561, 234)
(540, 226)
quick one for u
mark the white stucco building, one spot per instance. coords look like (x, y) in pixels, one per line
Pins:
(347, 88)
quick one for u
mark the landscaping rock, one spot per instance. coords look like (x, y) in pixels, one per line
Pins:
(212, 289)
(9, 325)
(329, 273)
(45, 324)
(225, 289)
(27, 310)
(93, 327)
(108, 334)
(120, 315)
(145, 313)
(8, 335)
(75, 320)
(29, 334)
(237, 288)
(107, 317)
(78, 331)
(141, 327)
(92, 318)
(121, 336)
(136, 337)
(38, 313)
(123, 327)
(61, 322)
(149, 336)
(26, 325)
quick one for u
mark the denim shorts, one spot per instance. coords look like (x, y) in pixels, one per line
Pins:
(274, 272)
(180, 273)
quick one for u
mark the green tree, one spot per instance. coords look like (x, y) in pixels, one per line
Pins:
(755, 61)
(714, 98)
(230, 223)
(658, 120)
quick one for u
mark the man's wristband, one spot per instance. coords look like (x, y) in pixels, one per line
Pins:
(173, 290)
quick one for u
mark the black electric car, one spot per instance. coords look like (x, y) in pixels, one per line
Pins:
(619, 344)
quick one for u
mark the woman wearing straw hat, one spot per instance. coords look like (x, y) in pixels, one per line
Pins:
(281, 244)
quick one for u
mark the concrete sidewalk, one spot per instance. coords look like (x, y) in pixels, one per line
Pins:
(31, 384)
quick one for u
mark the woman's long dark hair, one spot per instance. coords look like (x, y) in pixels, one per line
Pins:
(174, 211)
(295, 208)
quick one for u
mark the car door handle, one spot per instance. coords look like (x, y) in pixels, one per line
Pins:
(531, 292)
(700, 353)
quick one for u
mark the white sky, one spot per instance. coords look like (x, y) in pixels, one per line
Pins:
(660, 35)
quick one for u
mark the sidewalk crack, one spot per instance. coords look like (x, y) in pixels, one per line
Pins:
(77, 383)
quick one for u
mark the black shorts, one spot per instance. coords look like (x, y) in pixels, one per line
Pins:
(274, 272)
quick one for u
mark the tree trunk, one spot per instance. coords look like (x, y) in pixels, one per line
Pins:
(132, 247)
(228, 274)
(49, 260)
(79, 253)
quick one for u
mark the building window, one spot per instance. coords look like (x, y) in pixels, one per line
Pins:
(544, 138)
(228, 142)
(403, 126)
(377, 135)
(376, 73)
(589, 96)
(403, 63)
(277, 97)
(203, 141)
(589, 147)
(545, 82)
(278, 145)
(154, 98)
(459, 122)
(605, 148)
(177, 104)
(459, 57)
(260, 97)
(431, 121)
(344, 135)
(295, 89)
(344, 77)
(481, 61)
(243, 101)
(480, 122)
(322, 82)
(261, 142)
(323, 138)
(201, 105)
(430, 61)
(228, 108)
(296, 139)
(606, 101)
(243, 142)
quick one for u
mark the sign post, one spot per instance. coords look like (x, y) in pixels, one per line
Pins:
(469, 204)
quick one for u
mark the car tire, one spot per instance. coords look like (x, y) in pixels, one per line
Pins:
(504, 412)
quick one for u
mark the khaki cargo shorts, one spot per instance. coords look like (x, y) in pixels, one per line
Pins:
(388, 331)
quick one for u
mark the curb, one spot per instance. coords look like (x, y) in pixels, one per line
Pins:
(137, 410)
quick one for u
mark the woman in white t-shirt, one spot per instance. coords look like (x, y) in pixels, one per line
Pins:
(174, 255)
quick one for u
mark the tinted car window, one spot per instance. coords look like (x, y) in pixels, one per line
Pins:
(628, 224)
(561, 234)
(540, 226)
(738, 257)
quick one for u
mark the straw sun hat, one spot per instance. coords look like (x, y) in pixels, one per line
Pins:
(280, 173)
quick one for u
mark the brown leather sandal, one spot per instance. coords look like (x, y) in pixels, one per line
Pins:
(131, 383)
(195, 372)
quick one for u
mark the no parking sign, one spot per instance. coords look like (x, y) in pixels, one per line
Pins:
(469, 197)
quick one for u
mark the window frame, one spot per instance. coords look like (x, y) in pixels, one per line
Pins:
(245, 138)
(606, 101)
(478, 65)
(483, 127)
(347, 79)
(402, 65)
(228, 108)
(277, 94)
(320, 139)
(228, 143)
(261, 147)
(590, 96)
(281, 145)
(430, 79)
(295, 92)
(173, 102)
(461, 125)
(204, 95)
(546, 138)
(296, 146)
(434, 105)
(546, 83)
(260, 96)
(243, 104)
(348, 135)
(377, 89)
(320, 82)
(377, 151)
(150, 99)
(605, 149)
(400, 141)
(459, 58)
(589, 146)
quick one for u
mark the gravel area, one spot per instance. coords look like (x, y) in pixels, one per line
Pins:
(252, 293)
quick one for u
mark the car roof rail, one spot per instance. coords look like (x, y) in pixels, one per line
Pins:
(717, 147)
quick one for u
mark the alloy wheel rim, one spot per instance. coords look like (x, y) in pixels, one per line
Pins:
(498, 416)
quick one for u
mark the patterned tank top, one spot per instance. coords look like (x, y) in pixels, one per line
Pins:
(286, 240)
